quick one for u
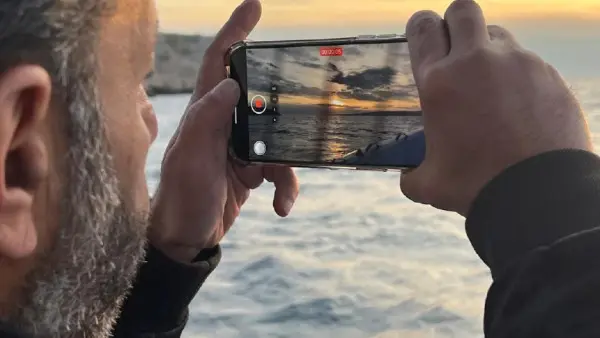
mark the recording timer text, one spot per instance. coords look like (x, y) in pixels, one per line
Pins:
(332, 51)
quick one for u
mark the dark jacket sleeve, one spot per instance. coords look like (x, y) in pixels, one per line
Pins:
(537, 227)
(157, 306)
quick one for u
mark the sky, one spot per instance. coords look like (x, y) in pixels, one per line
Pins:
(565, 32)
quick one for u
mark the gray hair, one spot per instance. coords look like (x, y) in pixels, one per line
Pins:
(61, 36)
(82, 281)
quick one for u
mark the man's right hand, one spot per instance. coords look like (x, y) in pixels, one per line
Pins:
(487, 103)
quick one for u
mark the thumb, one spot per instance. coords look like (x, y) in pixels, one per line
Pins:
(211, 115)
(413, 184)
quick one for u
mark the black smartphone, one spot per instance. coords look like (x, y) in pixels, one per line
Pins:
(337, 103)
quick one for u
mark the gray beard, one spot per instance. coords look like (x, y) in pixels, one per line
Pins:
(79, 286)
(78, 289)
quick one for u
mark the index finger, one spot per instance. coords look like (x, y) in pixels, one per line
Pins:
(240, 24)
(427, 40)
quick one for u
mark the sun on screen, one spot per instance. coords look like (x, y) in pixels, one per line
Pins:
(337, 103)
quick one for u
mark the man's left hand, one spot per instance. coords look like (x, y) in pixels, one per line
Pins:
(202, 189)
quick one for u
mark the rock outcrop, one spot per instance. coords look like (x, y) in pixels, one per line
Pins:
(177, 59)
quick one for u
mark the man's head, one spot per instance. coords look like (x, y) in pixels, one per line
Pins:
(75, 128)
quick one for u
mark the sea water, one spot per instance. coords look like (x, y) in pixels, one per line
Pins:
(354, 259)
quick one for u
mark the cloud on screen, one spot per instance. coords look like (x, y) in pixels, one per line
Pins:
(264, 72)
(359, 81)
(367, 79)
(375, 84)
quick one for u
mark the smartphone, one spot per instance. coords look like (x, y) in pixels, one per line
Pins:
(335, 103)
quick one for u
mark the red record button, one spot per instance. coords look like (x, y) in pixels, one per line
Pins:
(258, 104)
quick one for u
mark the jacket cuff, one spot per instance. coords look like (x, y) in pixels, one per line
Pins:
(534, 204)
(163, 291)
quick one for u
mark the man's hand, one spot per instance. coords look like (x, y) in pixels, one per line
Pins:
(487, 104)
(201, 189)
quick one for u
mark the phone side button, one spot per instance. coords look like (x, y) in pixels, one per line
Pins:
(371, 169)
(366, 37)
(388, 36)
(316, 167)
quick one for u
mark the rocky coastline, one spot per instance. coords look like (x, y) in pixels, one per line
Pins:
(177, 58)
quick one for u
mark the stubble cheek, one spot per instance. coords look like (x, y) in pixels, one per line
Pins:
(129, 144)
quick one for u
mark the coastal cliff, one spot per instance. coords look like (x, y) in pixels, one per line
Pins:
(177, 59)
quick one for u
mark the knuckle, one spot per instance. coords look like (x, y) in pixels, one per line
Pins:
(210, 55)
(438, 81)
(499, 32)
(526, 61)
(496, 29)
(211, 99)
(462, 7)
(475, 57)
(215, 52)
(527, 58)
(421, 22)
(435, 81)
(172, 163)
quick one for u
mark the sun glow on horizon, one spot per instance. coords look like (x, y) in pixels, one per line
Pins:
(404, 104)
(337, 103)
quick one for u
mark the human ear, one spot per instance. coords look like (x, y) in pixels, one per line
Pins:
(25, 92)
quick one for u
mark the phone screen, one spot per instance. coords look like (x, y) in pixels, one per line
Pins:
(350, 104)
